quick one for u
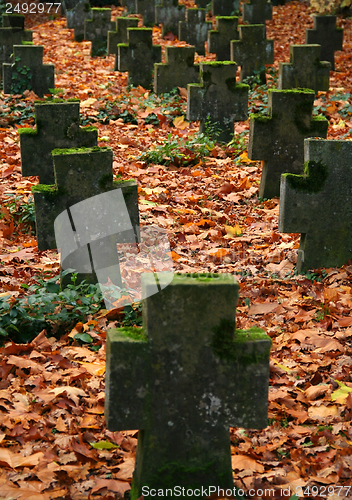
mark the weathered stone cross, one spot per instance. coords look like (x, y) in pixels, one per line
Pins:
(10, 36)
(220, 38)
(179, 69)
(169, 13)
(252, 51)
(194, 30)
(57, 126)
(138, 57)
(225, 7)
(182, 380)
(217, 99)
(119, 35)
(277, 138)
(96, 29)
(305, 69)
(318, 204)
(147, 9)
(327, 35)
(257, 11)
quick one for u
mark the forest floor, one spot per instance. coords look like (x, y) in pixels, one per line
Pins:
(53, 439)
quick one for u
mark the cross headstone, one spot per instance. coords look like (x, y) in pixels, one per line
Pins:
(57, 126)
(305, 69)
(277, 138)
(218, 100)
(119, 35)
(169, 14)
(183, 380)
(179, 69)
(28, 72)
(9, 37)
(138, 57)
(13, 21)
(327, 35)
(80, 176)
(76, 17)
(194, 30)
(225, 7)
(318, 204)
(257, 11)
(96, 30)
(252, 51)
(147, 9)
(219, 39)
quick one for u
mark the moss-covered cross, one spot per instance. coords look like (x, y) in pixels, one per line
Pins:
(147, 9)
(183, 379)
(10, 36)
(57, 126)
(179, 69)
(194, 29)
(318, 204)
(138, 57)
(119, 34)
(73, 210)
(96, 30)
(305, 69)
(217, 101)
(252, 51)
(169, 14)
(220, 38)
(327, 35)
(277, 138)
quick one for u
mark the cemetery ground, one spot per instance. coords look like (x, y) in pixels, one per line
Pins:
(53, 439)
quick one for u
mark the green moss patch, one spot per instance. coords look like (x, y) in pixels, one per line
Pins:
(313, 179)
(134, 333)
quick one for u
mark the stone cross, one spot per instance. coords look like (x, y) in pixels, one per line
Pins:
(57, 126)
(38, 77)
(277, 138)
(169, 14)
(257, 11)
(119, 35)
(81, 175)
(318, 204)
(96, 30)
(10, 36)
(218, 100)
(252, 51)
(225, 7)
(183, 380)
(194, 30)
(305, 70)
(147, 9)
(327, 35)
(138, 57)
(219, 40)
(76, 17)
(14, 21)
(179, 69)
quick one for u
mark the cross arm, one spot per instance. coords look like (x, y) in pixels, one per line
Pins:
(123, 54)
(260, 137)
(195, 101)
(126, 389)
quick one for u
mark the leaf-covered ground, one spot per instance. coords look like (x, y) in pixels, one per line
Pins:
(53, 440)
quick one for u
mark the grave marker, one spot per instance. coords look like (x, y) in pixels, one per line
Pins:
(179, 69)
(57, 126)
(169, 14)
(147, 9)
(252, 51)
(119, 35)
(96, 30)
(138, 57)
(257, 11)
(217, 99)
(305, 70)
(14, 21)
(183, 380)
(318, 205)
(219, 39)
(327, 35)
(8, 38)
(277, 138)
(194, 30)
(39, 77)
(76, 17)
(225, 7)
